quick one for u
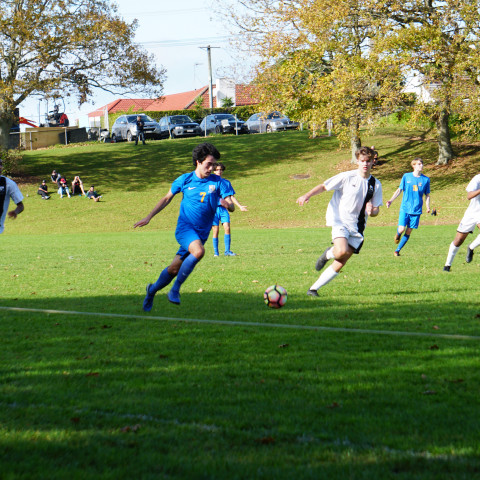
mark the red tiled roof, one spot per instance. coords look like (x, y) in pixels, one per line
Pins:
(176, 101)
(246, 95)
(123, 105)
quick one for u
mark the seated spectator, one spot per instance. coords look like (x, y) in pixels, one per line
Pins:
(43, 190)
(93, 195)
(63, 189)
(56, 177)
(77, 187)
(375, 156)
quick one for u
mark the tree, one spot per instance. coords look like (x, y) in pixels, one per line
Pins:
(68, 47)
(440, 41)
(318, 62)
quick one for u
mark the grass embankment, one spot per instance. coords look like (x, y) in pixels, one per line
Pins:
(264, 169)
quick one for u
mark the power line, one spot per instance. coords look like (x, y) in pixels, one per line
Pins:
(186, 41)
(166, 12)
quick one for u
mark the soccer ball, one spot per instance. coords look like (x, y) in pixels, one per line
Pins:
(275, 296)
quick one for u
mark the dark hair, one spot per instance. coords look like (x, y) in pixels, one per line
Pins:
(221, 165)
(364, 151)
(201, 152)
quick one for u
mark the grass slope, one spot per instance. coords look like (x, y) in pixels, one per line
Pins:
(262, 168)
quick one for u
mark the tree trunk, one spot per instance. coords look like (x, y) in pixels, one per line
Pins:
(6, 122)
(355, 140)
(445, 150)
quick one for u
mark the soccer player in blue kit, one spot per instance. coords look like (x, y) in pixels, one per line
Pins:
(414, 186)
(222, 216)
(202, 191)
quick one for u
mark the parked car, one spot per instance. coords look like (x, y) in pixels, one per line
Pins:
(125, 127)
(178, 126)
(272, 122)
(222, 123)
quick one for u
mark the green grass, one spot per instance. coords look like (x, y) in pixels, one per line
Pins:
(134, 395)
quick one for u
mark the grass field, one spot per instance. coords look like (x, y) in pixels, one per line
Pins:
(376, 379)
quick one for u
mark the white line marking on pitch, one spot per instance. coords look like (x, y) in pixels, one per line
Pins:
(246, 324)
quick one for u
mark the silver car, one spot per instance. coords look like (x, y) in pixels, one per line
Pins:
(178, 126)
(125, 127)
(272, 122)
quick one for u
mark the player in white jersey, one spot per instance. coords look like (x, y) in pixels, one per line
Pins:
(357, 195)
(467, 224)
(9, 190)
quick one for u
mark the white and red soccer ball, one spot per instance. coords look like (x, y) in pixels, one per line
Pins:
(275, 296)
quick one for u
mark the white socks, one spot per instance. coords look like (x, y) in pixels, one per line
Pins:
(330, 256)
(475, 243)
(452, 251)
(327, 276)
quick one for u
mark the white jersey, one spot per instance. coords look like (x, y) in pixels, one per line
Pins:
(12, 192)
(350, 190)
(473, 210)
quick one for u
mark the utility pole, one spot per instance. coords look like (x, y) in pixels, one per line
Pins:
(210, 83)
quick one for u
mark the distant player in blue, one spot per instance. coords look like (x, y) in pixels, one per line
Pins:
(222, 216)
(202, 191)
(414, 186)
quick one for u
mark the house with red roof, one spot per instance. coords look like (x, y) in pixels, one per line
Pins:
(222, 89)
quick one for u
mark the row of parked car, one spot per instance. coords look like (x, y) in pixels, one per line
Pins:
(173, 126)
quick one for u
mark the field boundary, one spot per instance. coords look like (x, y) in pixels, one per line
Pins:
(246, 324)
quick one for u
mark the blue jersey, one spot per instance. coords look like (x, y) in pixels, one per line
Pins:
(229, 187)
(200, 200)
(414, 188)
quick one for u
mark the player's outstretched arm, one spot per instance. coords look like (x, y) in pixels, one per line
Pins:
(157, 209)
(14, 213)
(473, 194)
(394, 196)
(227, 203)
(242, 208)
(314, 191)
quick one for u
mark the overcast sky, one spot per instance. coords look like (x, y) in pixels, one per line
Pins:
(174, 33)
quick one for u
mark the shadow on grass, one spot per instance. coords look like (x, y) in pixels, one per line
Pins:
(447, 313)
(88, 395)
(135, 168)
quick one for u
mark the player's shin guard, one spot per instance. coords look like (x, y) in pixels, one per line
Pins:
(185, 270)
(403, 241)
(227, 241)
(215, 245)
(452, 251)
(327, 276)
(163, 280)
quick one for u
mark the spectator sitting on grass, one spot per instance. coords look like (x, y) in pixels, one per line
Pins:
(43, 190)
(93, 195)
(63, 189)
(77, 186)
(56, 177)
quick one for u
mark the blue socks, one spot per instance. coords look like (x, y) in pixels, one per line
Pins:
(402, 243)
(227, 241)
(185, 270)
(163, 280)
(215, 245)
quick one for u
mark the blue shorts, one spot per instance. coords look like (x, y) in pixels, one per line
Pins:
(221, 216)
(185, 236)
(407, 220)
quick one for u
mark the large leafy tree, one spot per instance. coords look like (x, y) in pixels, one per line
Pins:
(440, 42)
(68, 47)
(318, 61)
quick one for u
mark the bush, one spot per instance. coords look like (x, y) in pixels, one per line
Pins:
(11, 160)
